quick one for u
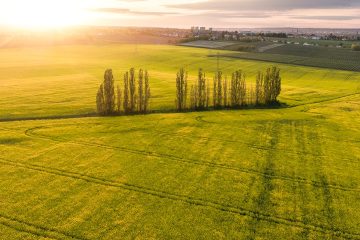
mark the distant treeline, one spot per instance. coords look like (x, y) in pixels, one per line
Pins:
(275, 35)
(227, 94)
(133, 96)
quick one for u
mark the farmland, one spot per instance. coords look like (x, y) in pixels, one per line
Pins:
(286, 173)
(63, 81)
(312, 56)
(208, 44)
(332, 63)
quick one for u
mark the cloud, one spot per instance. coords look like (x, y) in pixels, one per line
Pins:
(218, 15)
(231, 13)
(330, 18)
(129, 12)
(268, 5)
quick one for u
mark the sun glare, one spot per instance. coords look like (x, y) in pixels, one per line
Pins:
(40, 14)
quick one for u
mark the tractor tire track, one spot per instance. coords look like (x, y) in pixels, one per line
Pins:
(196, 162)
(34, 229)
(301, 190)
(263, 201)
(258, 147)
(187, 199)
(253, 145)
(325, 193)
(30, 133)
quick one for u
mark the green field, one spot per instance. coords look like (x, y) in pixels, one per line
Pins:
(42, 82)
(311, 56)
(324, 43)
(320, 62)
(288, 173)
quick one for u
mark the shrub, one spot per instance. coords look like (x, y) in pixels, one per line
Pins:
(355, 47)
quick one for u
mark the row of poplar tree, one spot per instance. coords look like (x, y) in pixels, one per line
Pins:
(134, 94)
(132, 97)
(227, 94)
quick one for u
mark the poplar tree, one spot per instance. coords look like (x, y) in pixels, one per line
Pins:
(251, 96)
(207, 94)
(267, 87)
(141, 94)
(238, 89)
(126, 93)
(201, 90)
(272, 85)
(109, 92)
(225, 93)
(132, 99)
(196, 95)
(100, 103)
(132, 90)
(119, 101)
(235, 82)
(260, 90)
(276, 83)
(192, 98)
(215, 91)
(181, 90)
(147, 92)
(219, 93)
(242, 92)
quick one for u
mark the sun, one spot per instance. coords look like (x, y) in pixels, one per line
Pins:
(40, 14)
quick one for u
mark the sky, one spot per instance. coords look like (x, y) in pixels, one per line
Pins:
(182, 13)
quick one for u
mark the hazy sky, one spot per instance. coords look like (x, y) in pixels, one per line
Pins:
(184, 13)
(234, 13)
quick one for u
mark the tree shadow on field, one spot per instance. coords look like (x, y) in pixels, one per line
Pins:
(11, 140)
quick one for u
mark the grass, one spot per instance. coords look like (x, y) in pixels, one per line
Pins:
(290, 173)
(227, 45)
(311, 56)
(62, 81)
(316, 52)
(322, 57)
(324, 43)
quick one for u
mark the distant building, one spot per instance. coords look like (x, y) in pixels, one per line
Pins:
(195, 30)
(227, 36)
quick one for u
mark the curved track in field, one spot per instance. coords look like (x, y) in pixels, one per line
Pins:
(31, 133)
(36, 230)
(188, 199)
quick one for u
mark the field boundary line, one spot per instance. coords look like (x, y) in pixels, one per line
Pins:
(34, 229)
(94, 115)
(298, 61)
(268, 47)
(325, 100)
(189, 200)
(54, 117)
(202, 163)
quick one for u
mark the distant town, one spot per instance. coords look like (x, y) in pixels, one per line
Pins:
(140, 35)
(281, 33)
